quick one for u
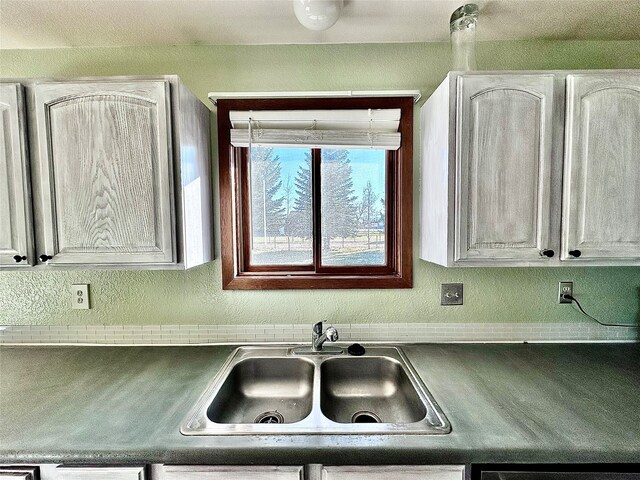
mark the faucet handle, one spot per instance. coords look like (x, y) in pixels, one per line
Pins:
(332, 334)
(317, 328)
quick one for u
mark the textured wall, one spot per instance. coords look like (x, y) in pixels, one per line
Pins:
(491, 295)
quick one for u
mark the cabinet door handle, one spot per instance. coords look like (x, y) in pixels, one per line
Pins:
(19, 258)
(45, 258)
(547, 253)
(575, 253)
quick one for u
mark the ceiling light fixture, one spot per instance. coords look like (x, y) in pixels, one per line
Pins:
(462, 26)
(317, 14)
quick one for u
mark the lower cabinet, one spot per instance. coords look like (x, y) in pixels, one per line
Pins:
(399, 472)
(68, 472)
(18, 473)
(320, 472)
(490, 475)
(99, 473)
(204, 472)
(404, 472)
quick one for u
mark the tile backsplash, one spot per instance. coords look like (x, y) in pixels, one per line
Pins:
(297, 333)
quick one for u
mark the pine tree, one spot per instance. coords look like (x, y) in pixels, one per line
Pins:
(338, 203)
(368, 212)
(267, 211)
(288, 192)
(301, 217)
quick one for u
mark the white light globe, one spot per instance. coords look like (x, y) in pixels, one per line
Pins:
(317, 14)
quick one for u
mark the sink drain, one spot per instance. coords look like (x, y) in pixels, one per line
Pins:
(364, 416)
(270, 417)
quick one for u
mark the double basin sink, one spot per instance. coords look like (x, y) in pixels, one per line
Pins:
(286, 390)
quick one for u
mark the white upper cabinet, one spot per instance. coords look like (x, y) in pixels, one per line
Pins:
(494, 148)
(102, 172)
(120, 174)
(503, 144)
(16, 245)
(602, 168)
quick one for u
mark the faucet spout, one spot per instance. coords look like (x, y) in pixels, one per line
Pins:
(319, 338)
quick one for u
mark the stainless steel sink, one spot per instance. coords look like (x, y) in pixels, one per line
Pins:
(264, 390)
(277, 390)
(368, 390)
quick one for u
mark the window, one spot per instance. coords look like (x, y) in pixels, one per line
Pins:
(316, 193)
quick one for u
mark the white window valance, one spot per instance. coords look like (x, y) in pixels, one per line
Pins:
(362, 128)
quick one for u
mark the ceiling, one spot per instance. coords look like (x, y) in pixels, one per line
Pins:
(76, 23)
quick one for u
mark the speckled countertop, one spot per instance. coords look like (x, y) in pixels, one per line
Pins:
(506, 403)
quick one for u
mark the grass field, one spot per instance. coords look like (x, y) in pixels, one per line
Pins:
(353, 251)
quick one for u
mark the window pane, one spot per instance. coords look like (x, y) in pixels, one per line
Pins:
(281, 215)
(353, 197)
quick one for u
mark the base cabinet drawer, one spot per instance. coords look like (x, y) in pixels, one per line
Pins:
(100, 473)
(204, 472)
(19, 473)
(398, 472)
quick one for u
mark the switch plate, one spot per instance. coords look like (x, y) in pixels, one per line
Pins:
(565, 288)
(451, 294)
(80, 297)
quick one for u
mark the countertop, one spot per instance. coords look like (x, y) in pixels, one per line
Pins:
(520, 403)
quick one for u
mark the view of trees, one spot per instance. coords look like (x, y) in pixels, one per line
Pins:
(267, 211)
(282, 208)
(368, 211)
(338, 203)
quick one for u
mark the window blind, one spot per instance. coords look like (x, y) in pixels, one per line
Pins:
(362, 128)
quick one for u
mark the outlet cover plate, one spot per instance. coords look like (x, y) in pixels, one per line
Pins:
(451, 294)
(565, 288)
(80, 297)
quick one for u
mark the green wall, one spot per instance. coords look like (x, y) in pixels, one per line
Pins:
(196, 296)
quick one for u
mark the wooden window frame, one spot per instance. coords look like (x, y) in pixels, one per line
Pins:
(234, 212)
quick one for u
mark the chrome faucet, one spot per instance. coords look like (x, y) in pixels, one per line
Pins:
(318, 337)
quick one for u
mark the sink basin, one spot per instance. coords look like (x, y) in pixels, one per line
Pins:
(285, 390)
(264, 390)
(368, 390)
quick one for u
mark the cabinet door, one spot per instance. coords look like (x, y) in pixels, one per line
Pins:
(19, 473)
(504, 163)
(204, 472)
(505, 475)
(103, 172)
(601, 191)
(400, 472)
(16, 244)
(100, 473)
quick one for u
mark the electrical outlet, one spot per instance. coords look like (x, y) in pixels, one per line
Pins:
(565, 288)
(451, 294)
(80, 297)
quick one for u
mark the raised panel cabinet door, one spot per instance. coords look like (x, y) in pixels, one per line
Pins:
(19, 473)
(16, 243)
(601, 187)
(204, 472)
(100, 473)
(103, 188)
(399, 472)
(504, 135)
